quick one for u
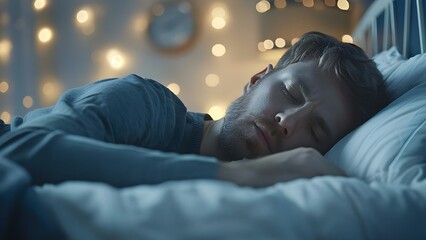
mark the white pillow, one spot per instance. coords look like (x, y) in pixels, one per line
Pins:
(400, 74)
(391, 146)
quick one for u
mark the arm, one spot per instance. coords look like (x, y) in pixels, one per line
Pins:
(279, 167)
(53, 157)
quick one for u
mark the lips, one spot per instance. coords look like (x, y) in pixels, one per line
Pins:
(265, 138)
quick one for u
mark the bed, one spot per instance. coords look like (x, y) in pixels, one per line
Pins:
(385, 158)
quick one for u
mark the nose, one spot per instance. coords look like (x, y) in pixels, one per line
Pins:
(290, 118)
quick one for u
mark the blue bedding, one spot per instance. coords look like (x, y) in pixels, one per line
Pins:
(22, 214)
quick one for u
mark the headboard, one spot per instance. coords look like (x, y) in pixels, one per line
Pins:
(389, 23)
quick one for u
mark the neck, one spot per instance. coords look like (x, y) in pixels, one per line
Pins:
(209, 143)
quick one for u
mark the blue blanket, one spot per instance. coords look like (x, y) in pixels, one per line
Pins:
(22, 214)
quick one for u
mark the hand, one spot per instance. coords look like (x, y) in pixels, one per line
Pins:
(279, 167)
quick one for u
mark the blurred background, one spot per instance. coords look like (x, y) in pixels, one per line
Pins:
(205, 51)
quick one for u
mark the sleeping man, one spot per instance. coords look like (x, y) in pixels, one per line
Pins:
(133, 130)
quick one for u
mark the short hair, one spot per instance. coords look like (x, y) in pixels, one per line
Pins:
(349, 63)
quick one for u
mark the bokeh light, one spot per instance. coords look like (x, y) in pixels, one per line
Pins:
(280, 3)
(308, 3)
(45, 35)
(218, 23)
(212, 80)
(39, 4)
(216, 112)
(82, 16)
(27, 101)
(51, 90)
(261, 47)
(218, 50)
(174, 87)
(343, 5)
(263, 6)
(5, 116)
(115, 58)
(140, 24)
(280, 42)
(294, 41)
(268, 44)
(4, 86)
(5, 49)
(347, 38)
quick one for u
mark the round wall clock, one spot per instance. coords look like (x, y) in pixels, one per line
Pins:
(172, 25)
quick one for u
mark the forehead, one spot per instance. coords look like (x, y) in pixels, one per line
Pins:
(329, 94)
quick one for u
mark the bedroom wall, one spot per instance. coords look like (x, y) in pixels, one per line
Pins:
(33, 74)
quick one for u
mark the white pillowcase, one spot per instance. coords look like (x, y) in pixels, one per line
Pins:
(391, 146)
(400, 74)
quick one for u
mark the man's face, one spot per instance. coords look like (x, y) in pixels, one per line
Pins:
(298, 106)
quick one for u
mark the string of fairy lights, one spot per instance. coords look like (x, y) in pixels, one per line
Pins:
(264, 6)
(117, 59)
(114, 57)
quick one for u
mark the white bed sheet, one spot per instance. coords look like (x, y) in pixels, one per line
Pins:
(321, 208)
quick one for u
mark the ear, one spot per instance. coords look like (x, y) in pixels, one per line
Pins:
(255, 78)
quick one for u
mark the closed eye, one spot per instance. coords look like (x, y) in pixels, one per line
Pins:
(288, 94)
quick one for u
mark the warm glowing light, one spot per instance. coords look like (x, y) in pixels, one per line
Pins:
(140, 24)
(294, 40)
(174, 87)
(45, 35)
(5, 49)
(27, 101)
(216, 112)
(280, 42)
(330, 3)
(268, 44)
(51, 90)
(308, 3)
(261, 47)
(218, 22)
(280, 3)
(212, 80)
(158, 9)
(84, 19)
(82, 16)
(218, 50)
(347, 38)
(4, 86)
(218, 12)
(5, 116)
(39, 4)
(263, 6)
(115, 58)
(343, 5)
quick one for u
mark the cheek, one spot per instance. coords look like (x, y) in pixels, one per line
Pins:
(266, 101)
